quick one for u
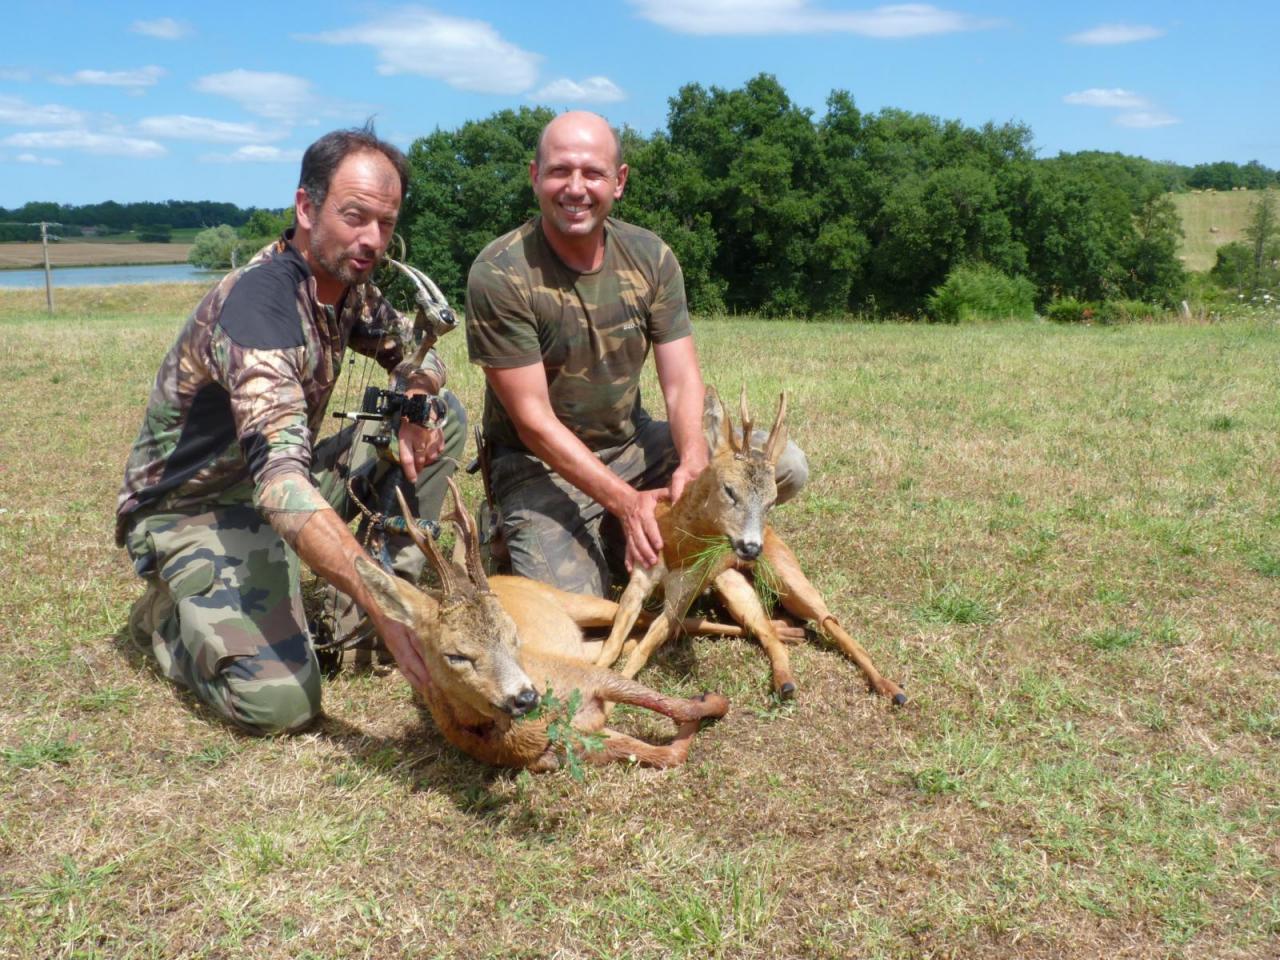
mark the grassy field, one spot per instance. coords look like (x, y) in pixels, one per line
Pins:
(91, 253)
(1209, 219)
(1065, 542)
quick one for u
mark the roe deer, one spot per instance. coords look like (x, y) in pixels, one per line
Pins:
(493, 646)
(714, 532)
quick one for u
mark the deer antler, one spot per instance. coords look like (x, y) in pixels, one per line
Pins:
(745, 448)
(448, 581)
(470, 539)
(778, 434)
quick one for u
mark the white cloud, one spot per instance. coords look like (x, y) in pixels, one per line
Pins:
(19, 113)
(590, 90)
(1097, 97)
(98, 143)
(40, 161)
(255, 153)
(466, 54)
(131, 79)
(183, 127)
(800, 16)
(1112, 33)
(276, 96)
(1144, 119)
(164, 28)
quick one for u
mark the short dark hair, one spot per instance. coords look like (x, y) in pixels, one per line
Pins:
(325, 156)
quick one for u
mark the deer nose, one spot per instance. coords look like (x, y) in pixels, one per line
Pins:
(523, 702)
(747, 549)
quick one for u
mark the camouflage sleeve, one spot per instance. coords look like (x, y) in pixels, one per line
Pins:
(669, 312)
(288, 501)
(388, 336)
(267, 404)
(502, 330)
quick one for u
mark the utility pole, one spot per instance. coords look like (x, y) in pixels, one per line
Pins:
(48, 274)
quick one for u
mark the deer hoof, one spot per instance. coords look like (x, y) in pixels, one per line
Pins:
(715, 704)
(787, 691)
(899, 699)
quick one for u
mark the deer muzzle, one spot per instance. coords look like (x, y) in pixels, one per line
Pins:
(522, 702)
(747, 549)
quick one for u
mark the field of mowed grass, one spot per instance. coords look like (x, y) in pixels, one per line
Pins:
(1064, 542)
(91, 253)
(1211, 218)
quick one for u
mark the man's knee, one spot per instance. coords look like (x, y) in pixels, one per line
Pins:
(265, 699)
(792, 472)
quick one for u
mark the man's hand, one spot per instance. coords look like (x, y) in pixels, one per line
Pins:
(419, 446)
(685, 474)
(644, 540)
(403, 644)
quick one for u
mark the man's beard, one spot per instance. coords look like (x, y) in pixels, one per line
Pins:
(340, 268)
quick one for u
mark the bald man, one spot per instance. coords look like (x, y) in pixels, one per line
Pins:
(561, 314)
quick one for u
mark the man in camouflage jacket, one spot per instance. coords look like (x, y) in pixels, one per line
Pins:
(223, 488)
(561, 314)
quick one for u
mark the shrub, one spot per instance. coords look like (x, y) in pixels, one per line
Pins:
(1125, 311)
(1069, 310)
(977, 292)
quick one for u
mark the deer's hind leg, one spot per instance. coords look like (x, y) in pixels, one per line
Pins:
(801, 598)
(739, 596)
(633, 597)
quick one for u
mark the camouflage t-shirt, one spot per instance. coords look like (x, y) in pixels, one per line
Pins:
(592, 331)
(241, 394)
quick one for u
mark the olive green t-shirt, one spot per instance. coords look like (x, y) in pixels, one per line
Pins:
(592, 331)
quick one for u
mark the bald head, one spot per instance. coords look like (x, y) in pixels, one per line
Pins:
(579, 127)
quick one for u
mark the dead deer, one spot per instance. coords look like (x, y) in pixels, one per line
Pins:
(715, 532)
(492, 647)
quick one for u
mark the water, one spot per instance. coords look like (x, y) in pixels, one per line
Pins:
(107, 276)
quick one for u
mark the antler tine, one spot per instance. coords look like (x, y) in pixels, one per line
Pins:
(448, 582)
(746, 421)
(777, 433)
(470, 539)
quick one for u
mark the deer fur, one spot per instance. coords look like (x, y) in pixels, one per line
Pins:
(493, 647)
(729, 501)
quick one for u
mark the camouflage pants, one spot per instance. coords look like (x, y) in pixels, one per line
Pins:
(557, 534)
(223, 614)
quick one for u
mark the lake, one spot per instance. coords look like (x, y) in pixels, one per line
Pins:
(109, 276)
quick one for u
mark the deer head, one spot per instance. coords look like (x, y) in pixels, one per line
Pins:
(732, 497)
(469, 643)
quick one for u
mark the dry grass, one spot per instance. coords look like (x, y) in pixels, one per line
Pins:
(1065, 542)
(76, 253)
(1211, 218)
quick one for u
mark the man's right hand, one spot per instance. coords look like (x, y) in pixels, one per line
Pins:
(403, 644)
(640, 525)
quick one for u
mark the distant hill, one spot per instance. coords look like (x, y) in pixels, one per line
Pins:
(1211, 218)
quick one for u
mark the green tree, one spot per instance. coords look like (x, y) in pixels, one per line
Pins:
(212, 248)
(1262, 232)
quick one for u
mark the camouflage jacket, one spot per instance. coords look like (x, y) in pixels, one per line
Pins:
(242, 392)
(592, 331)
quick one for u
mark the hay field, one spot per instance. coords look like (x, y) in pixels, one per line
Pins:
(1210, 219)
(1065, 542)
(80, 253)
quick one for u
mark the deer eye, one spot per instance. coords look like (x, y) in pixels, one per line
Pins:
(728, 492)
(458, 660)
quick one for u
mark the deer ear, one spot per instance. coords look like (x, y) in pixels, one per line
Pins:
(396, 599)
(715, 425)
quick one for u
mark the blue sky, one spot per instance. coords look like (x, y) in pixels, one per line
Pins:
(157, 101)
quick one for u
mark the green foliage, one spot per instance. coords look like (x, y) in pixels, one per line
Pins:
(1068, 310)
(154, 233)
(571, 743)
(264, 226)
(212, 248)
(978, 292)
(27, 756)
(121, 217)
(952, 605)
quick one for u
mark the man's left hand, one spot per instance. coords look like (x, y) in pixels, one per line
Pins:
(419, 446)
(685, 474)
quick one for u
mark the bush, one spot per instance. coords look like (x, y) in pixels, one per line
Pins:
(1069, 310)
(211, 249)
(1125, 311)
(977, 292)
(154, 233)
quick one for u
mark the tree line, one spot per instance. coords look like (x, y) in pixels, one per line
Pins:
(111, 217)
(772, 209)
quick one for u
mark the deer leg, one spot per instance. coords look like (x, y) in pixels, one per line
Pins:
(620, 746)
(680, 586)
(633, 597)
(739, 596)
(800, 596)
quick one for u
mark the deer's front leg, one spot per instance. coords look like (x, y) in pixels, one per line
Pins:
(801, 598)
(679, 588)
(633, 597)
(739, 596)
